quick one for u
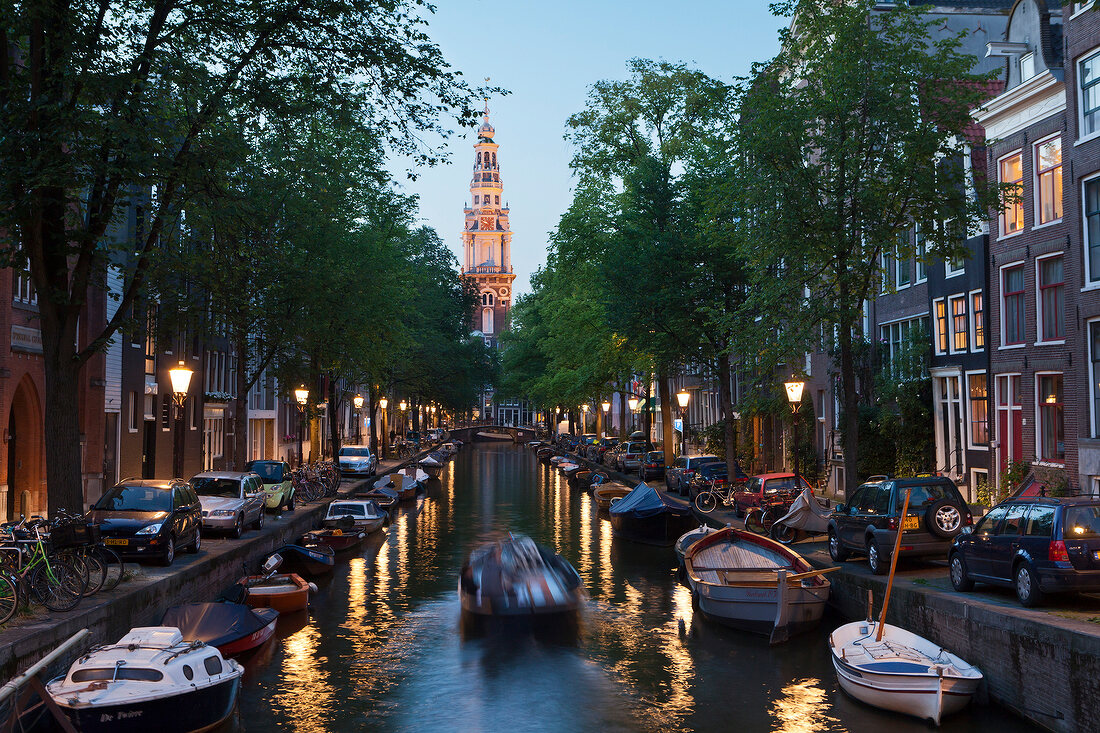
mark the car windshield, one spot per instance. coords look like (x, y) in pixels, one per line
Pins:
(269, 470)
(785, 483)
(1082, 522)
(135, 499)
(206, 486)
(355, 452)
(714, 470)
(654, 456)
(924, 494)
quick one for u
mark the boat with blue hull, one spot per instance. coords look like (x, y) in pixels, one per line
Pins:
(646, 515)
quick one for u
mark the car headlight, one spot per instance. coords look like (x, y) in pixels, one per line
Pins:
(150, 529)
(222, 513)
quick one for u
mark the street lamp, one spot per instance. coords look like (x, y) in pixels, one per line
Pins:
(794, 396)
(584, 418)
(682, 398)
(301, 396)
(383, 403)
(633, 403)
(358, 402)
(181, 380)
(402, 405)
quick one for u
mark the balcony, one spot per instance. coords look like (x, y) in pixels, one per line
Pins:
(488, 270)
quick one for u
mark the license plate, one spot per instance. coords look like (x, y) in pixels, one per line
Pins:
(112, 541)
(1096, 555)
(910, 523)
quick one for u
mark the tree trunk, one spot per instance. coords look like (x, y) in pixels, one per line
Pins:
(372, 439)
(647, 416)
(599, 417)
(65, 486)
(240, 408)
(725, 403)
(624, 431)
(664, 392)
(333, 423)
(850, 404)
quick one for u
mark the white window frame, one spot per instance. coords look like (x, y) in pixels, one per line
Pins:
(1038, 447)
(949, 269)
(1090, 284)
(1039, 301)
(901, 265)
(132, 420)
(1035, 202)
(974, 348)
(936, 327)
(1023, 204)
(1079, 8)
(989, 414)
(1094, 419)
(1002, 346)
(920, 266)
(1079, 97)
(974, 474)
(965, 298)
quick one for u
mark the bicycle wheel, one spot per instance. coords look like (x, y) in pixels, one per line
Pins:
(783, 533)
(9, 598)
(74, 558)
(97, 571)
(112, 564)
(753, 521)
(767, 520)
(706, 502)
(57, 584)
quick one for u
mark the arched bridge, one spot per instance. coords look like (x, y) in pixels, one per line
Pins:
(483, 433)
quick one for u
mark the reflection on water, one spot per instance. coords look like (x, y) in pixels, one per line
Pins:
(383, 647)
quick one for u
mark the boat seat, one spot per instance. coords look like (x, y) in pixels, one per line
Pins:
(903, 667)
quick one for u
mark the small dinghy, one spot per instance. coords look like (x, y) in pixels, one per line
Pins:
(151, 680)
(432, 464)
(385, 497)
(894, 669)
(517, 577)
(545, 454)
(400, 484)
(364, 514)
(606, 494)
(689, 538)
(308, 560)
(558, 460)
(234, 628)
(646, 515)
(750, 582)
(570, 469)
(285, 592)
(416, 476)
(339, 539)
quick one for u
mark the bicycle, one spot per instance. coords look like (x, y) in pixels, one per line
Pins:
(48, 578)
(761, 519)
(72, 536)
(707, 500)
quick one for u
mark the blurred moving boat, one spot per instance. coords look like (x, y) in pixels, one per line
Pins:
(750, 582)
(151, 680)
(233, 628)
(517, 577)
(646, 515)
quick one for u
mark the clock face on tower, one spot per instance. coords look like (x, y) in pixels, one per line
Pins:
(486, 224)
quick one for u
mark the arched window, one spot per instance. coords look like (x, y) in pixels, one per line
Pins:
(487, 299)
(477, 200)
(487, 321)
(497, 200)
(494, 160)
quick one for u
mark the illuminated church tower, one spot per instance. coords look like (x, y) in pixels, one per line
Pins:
(487, 240)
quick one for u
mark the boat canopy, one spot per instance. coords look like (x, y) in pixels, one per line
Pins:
(642, 501)
(215, 623)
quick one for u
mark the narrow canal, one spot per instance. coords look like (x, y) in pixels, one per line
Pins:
(383, 649)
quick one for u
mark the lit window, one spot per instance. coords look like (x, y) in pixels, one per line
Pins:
(1052, 445)
(959, 323)
(1051, 299)
(1012, 174)
(1048, 172)
(1088, 76)
(977, 315)
(1012, 290)
(941, 326)
(979, 409)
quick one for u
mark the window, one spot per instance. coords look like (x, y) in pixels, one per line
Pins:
(1040, 521)
(941, 326)
(960, 325)
(990, 521)
(1052, 445)
(977, 320)
(1092, 229)
(1051, 299)
(1014, 520)
(919, 264)
(487, 299)
(1088, 75)
(887, 271)
(487, 321)
(1011, 170)
(136, 410)
(901, 276)
(1094, 368)
(1027, 66)
(165, 412)
(22, 289)
(477, 200)
(496, 200)
(954, 266)
(979, 408)
(896, 337)
(1012, 298)
(213, 665)
(1048, 175)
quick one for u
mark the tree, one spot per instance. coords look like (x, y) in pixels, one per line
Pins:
(855, 131)
(105, 98)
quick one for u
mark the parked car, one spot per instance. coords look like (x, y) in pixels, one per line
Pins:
(149, 518)
(357, 460)
(630, 458)
(766, 487)
(603, 447)
(230, 500)
(278, 486)
(1036, 545)
(869, 522)
(678, 475)
(611, 457)
(652, 464)
(708, 476)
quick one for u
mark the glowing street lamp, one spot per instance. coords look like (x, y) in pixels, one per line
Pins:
(584, 418)
(794, 396)
(682, 398)
(301, 396)
(383, 403)
(181, 381)
(633, 403)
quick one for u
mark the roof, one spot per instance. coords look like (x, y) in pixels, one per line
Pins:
(151, 483)
(787, 474)
(224, 474)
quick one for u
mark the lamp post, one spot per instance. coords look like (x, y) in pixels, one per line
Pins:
(402, 405)
(606, 407)
(633, 404)
(794, 396)
(301, 396)
(682, 398)
(181, 380)
(383, 403)
(584, 418)
(358, 402)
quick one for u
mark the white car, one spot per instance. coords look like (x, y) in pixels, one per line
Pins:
(357, 460)
(230, 500)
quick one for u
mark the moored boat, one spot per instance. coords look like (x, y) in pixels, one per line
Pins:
(517, 577)
(750, 582)
(646, 515)
(363, 514)
(151, 680)
(285, 592)
(432, 464)
(605, 494)
(401, 485)
(689, 538)
(338, 539)
(234, 628)
(385, 497)
(312, 560)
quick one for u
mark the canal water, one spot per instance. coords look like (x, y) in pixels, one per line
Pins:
(383, 649)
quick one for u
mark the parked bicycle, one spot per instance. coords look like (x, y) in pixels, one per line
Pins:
(41, 574)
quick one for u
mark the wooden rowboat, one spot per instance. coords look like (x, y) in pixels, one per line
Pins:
(285, 592)
(607, 493)
(756, 584)
(338, 539)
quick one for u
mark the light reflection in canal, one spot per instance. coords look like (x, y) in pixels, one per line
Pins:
(384, 650)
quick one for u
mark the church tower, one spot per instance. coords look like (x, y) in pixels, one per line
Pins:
(487, 240)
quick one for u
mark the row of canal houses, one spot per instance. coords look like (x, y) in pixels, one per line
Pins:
(1014, 327)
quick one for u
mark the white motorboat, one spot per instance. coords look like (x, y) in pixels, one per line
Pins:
(902, 672)
(432, 464)
(753, 583)
(689, 538)
(151, 680)
(360, 515)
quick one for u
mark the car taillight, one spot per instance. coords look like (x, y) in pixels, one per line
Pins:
(892, 524)
(1057, 552)
(968, 520)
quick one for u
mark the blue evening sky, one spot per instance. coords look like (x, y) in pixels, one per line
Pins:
(547, 54)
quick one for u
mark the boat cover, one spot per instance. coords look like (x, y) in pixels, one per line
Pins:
(806, 513)
(645, 501)
(217, 623)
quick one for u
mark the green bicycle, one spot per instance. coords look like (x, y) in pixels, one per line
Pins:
(44, 577)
